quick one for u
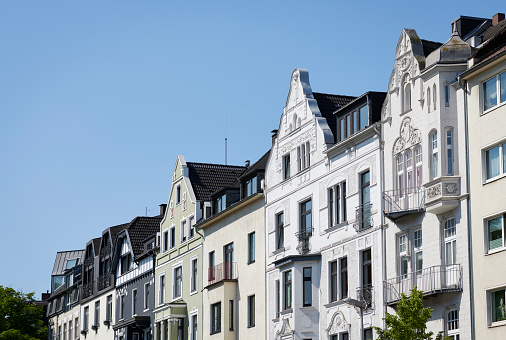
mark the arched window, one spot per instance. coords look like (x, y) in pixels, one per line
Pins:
(434, 97)
(400, 175)
(409, 170)
(428, 99)
(406, 95)
(434, 159)
(418, 164)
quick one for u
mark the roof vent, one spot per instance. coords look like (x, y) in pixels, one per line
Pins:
(246, 163)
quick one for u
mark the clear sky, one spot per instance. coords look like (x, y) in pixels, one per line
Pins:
(97, 99)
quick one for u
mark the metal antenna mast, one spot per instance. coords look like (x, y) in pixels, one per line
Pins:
(226, 114)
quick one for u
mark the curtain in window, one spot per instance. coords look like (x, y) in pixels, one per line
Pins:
(490, 93)
(493, 166)
(495, 233)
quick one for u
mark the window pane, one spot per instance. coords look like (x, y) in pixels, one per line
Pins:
(490, 93)
(502, 80)
(495, 233)
(418, 261)
(364, 117)
(498, 313)
(493, 166)
(342, 130)
(348, 125)
(355, 122)
(404, 266)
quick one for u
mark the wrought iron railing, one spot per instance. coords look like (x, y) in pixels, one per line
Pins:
(105, 251)
(407, 199)
(432, 280)
(87, 289)
(104, 281)
(365, 294)
(303, 236)
(363, 218)
(88, 261)
(222, 271)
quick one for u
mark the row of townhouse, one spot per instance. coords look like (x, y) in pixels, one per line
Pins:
(359, 200)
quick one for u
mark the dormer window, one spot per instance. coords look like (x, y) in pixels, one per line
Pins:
(220, 203)
(125, 263)
(250, 187)
(70, 264)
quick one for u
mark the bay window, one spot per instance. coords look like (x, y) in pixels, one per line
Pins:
(434, 160)
(449, 151)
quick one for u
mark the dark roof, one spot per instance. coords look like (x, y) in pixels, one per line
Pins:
(62, 257)
(258, 165)
(494, 44)
(328, 104)
(208, 178)
(96, 245)
(493, 30)
(429, 46)
(141, 228)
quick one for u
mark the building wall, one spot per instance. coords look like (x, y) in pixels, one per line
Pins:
(103, 331)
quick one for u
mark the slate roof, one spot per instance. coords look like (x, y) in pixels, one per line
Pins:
(328, 104)
(495, 43)
(258, 165)
(494, 30)
(141, 228)
(62, 257)
(96, 245)
(429, 46)
(208, 178)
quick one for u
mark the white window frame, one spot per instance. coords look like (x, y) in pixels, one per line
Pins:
(165, 241)
(499, 100)
(182, 230)
(191, 227)
(450, 241)
(134, 302)
(487, 234)
(450, 153)
(193, 277)
(490, 306)
(337, 213)
(428, 99)
(146, 296)
(279, 227)
(172, 237)
(402, 251)
(193, 314)
(161, 288)
(452, 324)
(418, 166)
(174, 268)
(406, 94)
(434, 161)
(417, 249)
(399, 166)
(108, 308)
(434, 96)
(408, 157)
(178, 194)
(502, 166)
(286, 171)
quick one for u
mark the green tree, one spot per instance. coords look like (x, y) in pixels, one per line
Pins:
(20, 318)
(410, 322)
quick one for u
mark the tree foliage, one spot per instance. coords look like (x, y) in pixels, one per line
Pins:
(20, 318)
(410, 322)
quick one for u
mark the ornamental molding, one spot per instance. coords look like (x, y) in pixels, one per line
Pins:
(302, 138)
(337, 323)
(286, 332)
(450, 188)
(434, 191)
(408, 136)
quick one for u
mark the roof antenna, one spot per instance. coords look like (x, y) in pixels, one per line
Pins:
(226, 114)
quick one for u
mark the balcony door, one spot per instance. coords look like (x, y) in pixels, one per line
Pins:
(365, 199)
(450, 249)
(229, 260)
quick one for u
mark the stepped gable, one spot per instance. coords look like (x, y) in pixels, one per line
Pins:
(208, 178)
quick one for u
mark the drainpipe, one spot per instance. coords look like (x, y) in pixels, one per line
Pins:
(469, 233)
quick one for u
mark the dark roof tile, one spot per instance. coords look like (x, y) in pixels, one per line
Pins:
(328, 104)
(208, 178)
(429, 46)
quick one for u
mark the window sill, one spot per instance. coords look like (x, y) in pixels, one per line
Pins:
(251, 326)
(215, 332)
(280, 250)
(336, 226)
(492, 108)
(493, 179)
(251, 262)
(194, 292)
(307, 308)
(334, 303)
(286, 311)
(497, 324)
(496, 250)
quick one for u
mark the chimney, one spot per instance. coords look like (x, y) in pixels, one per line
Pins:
(497, 18)
(246, 163)
(163, 208)
(274, 135)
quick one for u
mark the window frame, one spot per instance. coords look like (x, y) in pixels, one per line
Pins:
(418, 249)
(304, 212)
(434, 160)
(336, 199)
(108, 310)
(215, 314)
(499, 101)
(333, 281)
(501, 146)
(251, 311)
(279, 219)
(251, 248)
(307, 282)
(165, 241)
(286, 164)
(194, 285)
(146, 296)
(96, 318)
(452, 323)
(182, 231)
(343, 278)
(172, 237)
(450, 153)
(134, 302)
(161, 288)
(177, 281)
(287, 290)
(488, 240)
(178, 194)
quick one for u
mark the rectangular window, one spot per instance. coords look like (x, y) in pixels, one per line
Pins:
(172, 237)
(183, 231)
(305, 217)
(278, 298)
(165, 244)
(178, 194)
(491, 96)
(64, 331)
(495, 161)
(192, 226)
(307, 287)
(368, 334)
(452, 324)
(76, 329)
(366, 268)
(146, 296)
(434, 164)
(450, 239)
(231, 315)
(122, 307)
(86, 318)
(216, 318)
(250, 187)
(178, 279)
(194, 327)
(497, 299)
(108, 311)
(303, 156)
(220, 203)
(71, 333)
(364, 117)
(97, 313)
(449, 151)
(417, 245)
(343, 266)
(403, 258)
(333, 280)
(287, 293)
(251, 311)
(332, 217)
(355, 122)
(343, 131)
(161, 291)
(337, 204)
(134, 302)
(348, 126)
(125, 262)
(194, 276)
(280, 231)
(286, 166)
(447, 95)
(251, 247)
(211, 265)
(495, 233)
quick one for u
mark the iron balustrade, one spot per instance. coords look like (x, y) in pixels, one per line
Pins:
(88, 261)
(303, 236)
(365, 294)
(432, 280)
(105, 251)
(401, 200)
(363, 218)
(104, 281)
(87, 289)
(222, 271)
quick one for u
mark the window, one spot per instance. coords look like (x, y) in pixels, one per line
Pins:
(280, 231)
(146, 296)
(251, 311)
(59, 333)
(251, 247)
(76, 329)
(343, 266)
(194, 327)
(365, 199)
(491, 96)
(122, 307)
(400, 175)
(366, 268)
(434, 97)
(194, 276)
(305, 216)
(250, 187)
(178, 280)
(211, 266)
(165, 244)
(183, 231)
(348, 125)
(306, 287)
(161, 290)
(409, 170)
(434, 161)
(343, 131)
(126, 262)
(178, 194)
(192, 226)
(278, 298)
(134, 302)
(216, 318)
(220, 203)
(86, 318)
(286, 166)
(303, 156)
(228, 255)
(418, 164)
(406, 98)
(231, 315)
(449, 151)
(333, 281)
(172, 237)
(368, 334)
(58, 281)
(495, 233)
(97, 314)
(337, 204)
(403, 256)
(417, 244)
(108, 311)
(497, 300)
(428, 99)
(287, 294)
(70, 330)
(452, 324)
(450, 239)
(447, 95)
(364, 117)
(355, 122)
(495, 161)
(70, 264)
(64, 331)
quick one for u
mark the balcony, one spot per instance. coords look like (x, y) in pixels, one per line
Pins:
(106, 251)
(431, 281)
(365, 295)
(104, 281)
(443, 194)
(400, 203)
(303, 236)
(88, 261)
(221, 272)
(363, 218)
(87, 289)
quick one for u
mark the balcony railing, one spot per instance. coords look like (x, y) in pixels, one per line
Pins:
(104, 281)
(365, 294)
(303, 236)
(87, 289)
(363, 218)
(432, 280)
(88, 261)
(222, 271)
(106, 250)
(398, 203)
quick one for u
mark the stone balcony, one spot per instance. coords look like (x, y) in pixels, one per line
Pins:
(442, 194)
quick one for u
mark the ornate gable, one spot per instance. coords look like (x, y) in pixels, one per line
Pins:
(337, 324)
(408, 136)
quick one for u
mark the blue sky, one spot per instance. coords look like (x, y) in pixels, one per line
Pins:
(97, 99)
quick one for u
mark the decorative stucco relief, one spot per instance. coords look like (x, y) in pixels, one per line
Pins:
(408, 136)
(337, 323)
(450, 188)
(307, 136)
(286, 332)
(434, 191)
